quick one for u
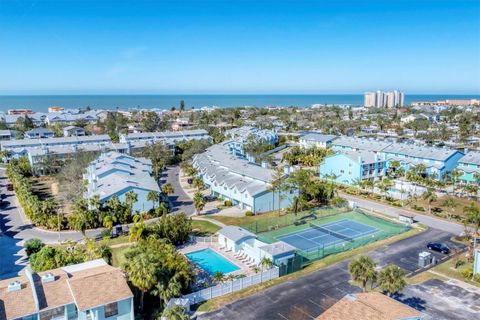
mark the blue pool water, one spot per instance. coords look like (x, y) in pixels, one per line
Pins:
(211, 262)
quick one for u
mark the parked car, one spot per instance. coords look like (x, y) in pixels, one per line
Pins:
(439, 247)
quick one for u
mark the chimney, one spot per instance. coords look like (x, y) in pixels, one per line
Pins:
(14, 286)
(48, 277)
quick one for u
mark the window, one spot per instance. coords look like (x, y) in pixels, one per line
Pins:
(111, 310)
(53, 313)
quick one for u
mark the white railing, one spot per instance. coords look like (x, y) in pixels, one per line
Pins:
(210, 239)
(232, 286)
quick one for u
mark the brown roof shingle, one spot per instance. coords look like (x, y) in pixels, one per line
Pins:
(16, 304)
(98, 286)
(368, 306)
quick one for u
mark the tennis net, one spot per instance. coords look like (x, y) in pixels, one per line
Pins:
(327, 231)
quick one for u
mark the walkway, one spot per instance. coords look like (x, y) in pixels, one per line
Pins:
(437, 223)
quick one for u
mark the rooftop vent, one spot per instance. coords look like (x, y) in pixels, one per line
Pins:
(14, 286)
(48, 277)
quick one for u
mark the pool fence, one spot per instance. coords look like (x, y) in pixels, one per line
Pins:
(209, 239)
(232, 286)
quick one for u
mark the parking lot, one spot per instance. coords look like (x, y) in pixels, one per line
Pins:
(442, 300)
(309, 296)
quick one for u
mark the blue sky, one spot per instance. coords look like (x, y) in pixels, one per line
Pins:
(70, 47)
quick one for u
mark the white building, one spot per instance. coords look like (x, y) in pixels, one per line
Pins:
(382, 99)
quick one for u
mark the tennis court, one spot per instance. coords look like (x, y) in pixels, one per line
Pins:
(324, 235)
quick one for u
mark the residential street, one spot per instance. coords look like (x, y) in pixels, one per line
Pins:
(311, 295)
(179, 201)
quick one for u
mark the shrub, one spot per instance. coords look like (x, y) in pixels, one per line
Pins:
(418, 208)
(106, 234)
(249, 214)
(227, 203)
(459, 263)
(338, 201)
(33, 246)
(467, 273)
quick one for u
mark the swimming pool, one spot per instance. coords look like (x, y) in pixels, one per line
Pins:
(211, 262)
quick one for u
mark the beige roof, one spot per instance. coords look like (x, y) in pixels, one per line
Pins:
(98, 286)
(55, 293)
(368, 306)
(16, 304)
(88, 285)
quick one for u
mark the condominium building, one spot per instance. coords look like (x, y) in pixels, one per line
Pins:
(438, 162)
(469, 165)
(230, 176)
(349, 166)
(114, 173)
(317, 140)
(91, 290)
(382, 99)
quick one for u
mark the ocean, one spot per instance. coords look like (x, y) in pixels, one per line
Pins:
(40, 103)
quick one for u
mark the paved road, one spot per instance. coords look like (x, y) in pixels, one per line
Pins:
(180, 201)
(311, 295)
(448, 226)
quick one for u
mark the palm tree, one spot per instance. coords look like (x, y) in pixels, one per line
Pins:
(218, 277)
(141, 273)
(167, 189)
(137, 230)
(153, 196)
(166, 291)
(357, 183)
(266, 263)
(256, 269)
(278, 185)
(130, 198)
(175, 312)
(472, 212)
(384, 186)
(455, 175)
(198, 183)
(109, 221)
(392, 279)
(198, 202)
(450, 203)
(363, 270)
(430, 196)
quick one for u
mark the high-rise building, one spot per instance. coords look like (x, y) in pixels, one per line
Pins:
(370, 98)
(382, 99)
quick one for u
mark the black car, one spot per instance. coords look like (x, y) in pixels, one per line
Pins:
(440, 247)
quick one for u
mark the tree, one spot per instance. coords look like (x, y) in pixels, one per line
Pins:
(175, 312)
(363, 270)
(33, 246)
(384, 186)
(130, 198)
(167, 290)
(153, 196)
(451, 204)
(472, 212)
(218, 277)
(266, 263)
(279, 185)
(136, 232)
(198, 202)
(430, 196)
(182, 105)
(455, 175)
(392, 279)
(160, 155)
(141, 272)
(167, 189)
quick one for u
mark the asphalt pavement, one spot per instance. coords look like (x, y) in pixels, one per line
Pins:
(309, 296)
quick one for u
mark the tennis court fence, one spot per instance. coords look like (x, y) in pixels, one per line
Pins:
(290, 219)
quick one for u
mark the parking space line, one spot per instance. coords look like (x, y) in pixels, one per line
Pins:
(281, 315)
(304, 312)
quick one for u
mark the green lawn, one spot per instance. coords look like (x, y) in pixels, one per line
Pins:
(204, 228)
(448, 269)
(117, 255)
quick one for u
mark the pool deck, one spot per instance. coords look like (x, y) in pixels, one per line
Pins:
(244, 268)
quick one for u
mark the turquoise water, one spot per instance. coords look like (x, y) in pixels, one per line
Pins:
(40, 103)
(211, 262)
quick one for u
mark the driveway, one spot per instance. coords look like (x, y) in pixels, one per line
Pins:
(309, 296)
(179, 201)
(448, 226)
